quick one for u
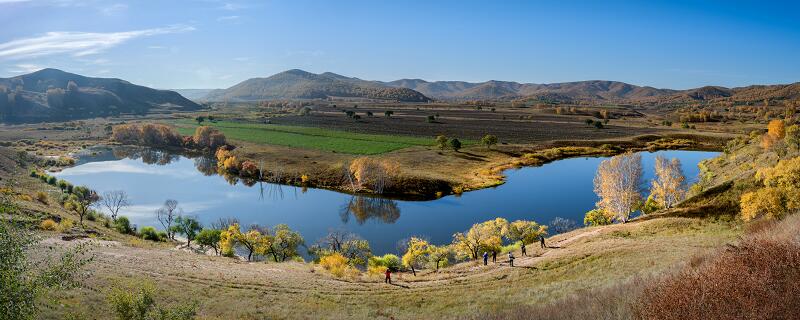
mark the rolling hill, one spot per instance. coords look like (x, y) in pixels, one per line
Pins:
(51, 95)
(299, 84)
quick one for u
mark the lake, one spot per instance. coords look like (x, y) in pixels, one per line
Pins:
(559, 189)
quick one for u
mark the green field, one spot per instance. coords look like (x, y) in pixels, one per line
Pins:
(309, 137)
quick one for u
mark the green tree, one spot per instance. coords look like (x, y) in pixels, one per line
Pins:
(188, 227)
(489, 140)
(525, 231)
(123, 225)
(388, 113)
(23, 283)
(441, 142)
(81, 201)
(455, 144)
(285, 243)
(596, 217)
(209, 238)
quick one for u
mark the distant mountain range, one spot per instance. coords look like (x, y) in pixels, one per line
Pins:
(299, 84)
(51, 94)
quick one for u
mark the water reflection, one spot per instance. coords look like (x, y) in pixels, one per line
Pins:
(148, 155)
(367, 208)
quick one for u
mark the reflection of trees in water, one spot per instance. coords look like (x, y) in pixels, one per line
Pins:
(206, 165)
(148, 155)
(365, 208)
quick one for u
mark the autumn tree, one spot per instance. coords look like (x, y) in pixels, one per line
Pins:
(525, 231)
(596, 217)
(356, 250)
(669, 186)
(489, 140)
(440, 255)
(188, 227)
(374, 174)
(484, 236)
(617, 184)
(207, 137)
(81, 201)
(166, 216)
(416, 254)
(254, 241)
(777, 196)
(113, 201)
(776, 131)
(285, 242)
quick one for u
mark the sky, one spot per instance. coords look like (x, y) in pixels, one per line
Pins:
(216, 44)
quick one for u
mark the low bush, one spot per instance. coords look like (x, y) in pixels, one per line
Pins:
(42, 197)
(338, 266)
(48, 224)
(150, 233)
(123, 225)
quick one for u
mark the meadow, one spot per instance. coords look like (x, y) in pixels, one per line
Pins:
(310, 137)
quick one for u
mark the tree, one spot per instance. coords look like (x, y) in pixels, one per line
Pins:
(617, 184)
(189, 227)
(598, 125)
(200, 119)
(455, 144)
(484, 236)
(388, 113)
(167, 214)
(776, 131)
(253, 240)
(440, 255)
(24, 282)
(669, 186)
(372, 173)
(209, 238)
(596, 217)
(416, 254)
(589, 122)
(285, 242)
(81, 201)
(777, 196)
(208, 137)
(123, 225)
(114, 201)
(525, 231)
(357, 251)
(441, 142)
(489, 140)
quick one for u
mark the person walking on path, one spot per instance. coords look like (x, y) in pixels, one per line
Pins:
(524, 252)
(485, 258)
(388, 276)
(494, 256)
(511, 258)
(541, 241)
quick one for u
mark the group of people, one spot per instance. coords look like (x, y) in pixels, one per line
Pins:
(511, 254)
(511, 258)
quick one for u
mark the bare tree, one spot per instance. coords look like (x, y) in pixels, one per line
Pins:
(114, 201)
(167, 214)
(224, 223)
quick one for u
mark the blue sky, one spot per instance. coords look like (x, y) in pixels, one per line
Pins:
(213, 44)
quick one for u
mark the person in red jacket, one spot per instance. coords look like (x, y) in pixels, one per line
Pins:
(388, 276)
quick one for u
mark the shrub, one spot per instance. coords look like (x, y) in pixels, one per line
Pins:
(139, 303)
(596, 217)
(48, 224)
(65, 224)
(150, 233)
(455, 144)
(42, 197)
(389, 261)
(123, 225)
(337, 265)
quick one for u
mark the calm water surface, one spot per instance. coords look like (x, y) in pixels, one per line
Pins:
(560, 189)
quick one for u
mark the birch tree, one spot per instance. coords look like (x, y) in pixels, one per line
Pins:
(114, 201)
(617, 183)
(669, 186)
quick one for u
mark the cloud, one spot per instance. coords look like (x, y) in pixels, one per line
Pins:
(232, 6)
(77, 44)
(114, 9)
(228, 18)
(25, 67)
(241, 59)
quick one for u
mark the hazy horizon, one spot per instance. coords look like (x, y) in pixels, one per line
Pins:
(209, 44)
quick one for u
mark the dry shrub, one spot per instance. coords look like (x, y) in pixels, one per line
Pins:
(337, 265)
(759, 279)
(42, 197)
(208, 137)
(148, 134)
(373, 173)
(48, 224)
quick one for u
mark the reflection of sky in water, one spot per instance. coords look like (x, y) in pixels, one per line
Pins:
(560, 189)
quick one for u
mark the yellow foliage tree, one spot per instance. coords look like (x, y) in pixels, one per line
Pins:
(617, 184)
(776, 131)
(669, 186)
(416, 253)
(766, 202)
(525, 231)
(484, 236)
(373, 173)
(779, 194)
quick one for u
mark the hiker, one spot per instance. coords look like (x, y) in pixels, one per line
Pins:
(524, 252)
(511, 258)
(485, 258)
(388, 276)
(494, 256)
(541, 241)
